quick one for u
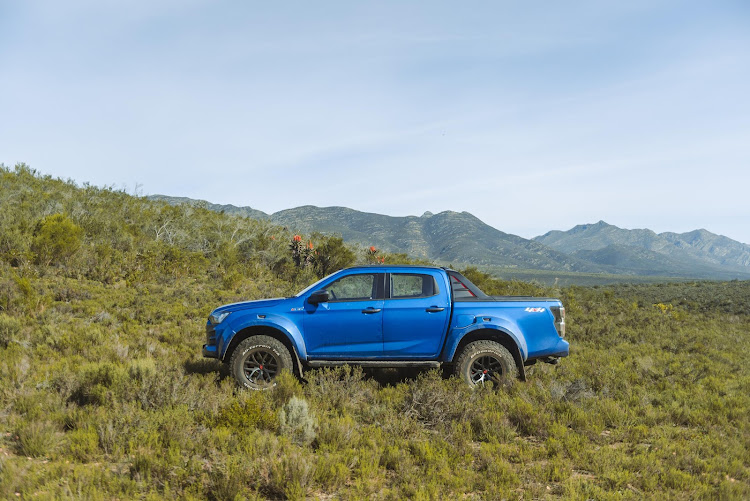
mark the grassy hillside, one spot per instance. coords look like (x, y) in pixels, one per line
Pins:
(104, 395)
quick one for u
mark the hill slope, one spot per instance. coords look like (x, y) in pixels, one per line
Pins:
(226, 208)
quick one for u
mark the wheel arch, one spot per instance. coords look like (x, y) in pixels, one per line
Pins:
(500, 337)
(264, 330)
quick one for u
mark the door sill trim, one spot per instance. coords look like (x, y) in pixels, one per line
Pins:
(375, 363)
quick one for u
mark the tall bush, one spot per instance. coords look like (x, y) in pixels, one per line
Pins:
(333, 255)
(56, 238)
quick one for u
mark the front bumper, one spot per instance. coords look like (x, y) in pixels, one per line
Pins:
(211, 348)
(210, 351)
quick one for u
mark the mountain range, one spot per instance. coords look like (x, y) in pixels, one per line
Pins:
(461, 238)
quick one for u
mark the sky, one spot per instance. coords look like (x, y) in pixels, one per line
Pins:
(532, 116)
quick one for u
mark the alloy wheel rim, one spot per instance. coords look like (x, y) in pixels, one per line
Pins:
(260, 367)
(485, 368)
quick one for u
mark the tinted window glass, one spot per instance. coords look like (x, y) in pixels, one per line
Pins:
(353, 287)
(405, 285)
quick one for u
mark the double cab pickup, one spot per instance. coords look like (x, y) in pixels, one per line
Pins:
(388, 316)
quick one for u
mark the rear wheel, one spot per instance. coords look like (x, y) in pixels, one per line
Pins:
(258, 360)
(483, 361)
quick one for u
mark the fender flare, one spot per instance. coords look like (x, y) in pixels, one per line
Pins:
(276, 322)
(503, 326)
(519, 349)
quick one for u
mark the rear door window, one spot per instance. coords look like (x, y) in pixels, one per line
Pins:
(413, 285)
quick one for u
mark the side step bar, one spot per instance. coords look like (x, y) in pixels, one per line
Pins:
(375, 363)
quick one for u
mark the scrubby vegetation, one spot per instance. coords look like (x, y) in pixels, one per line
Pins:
(103, 393)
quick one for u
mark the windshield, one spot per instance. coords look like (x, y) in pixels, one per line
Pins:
(311, 287)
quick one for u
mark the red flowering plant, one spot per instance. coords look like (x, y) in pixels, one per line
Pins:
(302, 254)
(372, 257)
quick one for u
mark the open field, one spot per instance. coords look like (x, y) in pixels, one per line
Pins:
(104, 394)
(564, 278)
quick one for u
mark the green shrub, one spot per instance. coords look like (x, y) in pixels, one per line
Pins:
(330, 471)
(9, 329)
(331, 255)
(252, 411)
(431, 400)
(287, 386)
(97, 384)
(495, 471)
(37, 439)
(528, 418)
(142, 369)
(228, 480)
(343, 390)
(18, 295)
(336, 433)
(291, 474)
(56, 238)
(83, 443)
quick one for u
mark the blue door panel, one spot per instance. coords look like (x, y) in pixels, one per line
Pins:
(344, 330)
(410, 331)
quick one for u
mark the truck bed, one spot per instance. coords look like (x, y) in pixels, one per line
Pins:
(502, 298)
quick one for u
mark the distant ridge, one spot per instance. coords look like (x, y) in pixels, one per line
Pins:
(462, 238)
(698, 248)
(447, 237)
(227, 209)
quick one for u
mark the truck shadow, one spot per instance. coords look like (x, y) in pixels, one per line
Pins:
(206, 366)
(385, 377)
(393, 376)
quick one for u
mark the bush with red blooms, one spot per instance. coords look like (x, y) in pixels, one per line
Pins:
(372, 257)
(302, 254)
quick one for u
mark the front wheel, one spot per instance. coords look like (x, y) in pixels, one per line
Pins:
(484, 361)
(258, 360)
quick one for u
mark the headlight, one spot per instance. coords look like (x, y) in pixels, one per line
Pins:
(217, 318)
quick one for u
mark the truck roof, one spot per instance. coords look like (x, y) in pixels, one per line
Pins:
(407, 266)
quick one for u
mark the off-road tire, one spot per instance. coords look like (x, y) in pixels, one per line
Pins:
(485, 361)
(258, 360)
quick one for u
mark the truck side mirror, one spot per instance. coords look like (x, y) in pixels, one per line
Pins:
(319, 297)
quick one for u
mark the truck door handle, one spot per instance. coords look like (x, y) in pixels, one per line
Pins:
(434, 309)
(371, 310)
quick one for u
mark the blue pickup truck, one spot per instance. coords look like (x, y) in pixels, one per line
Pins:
(388, 316)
